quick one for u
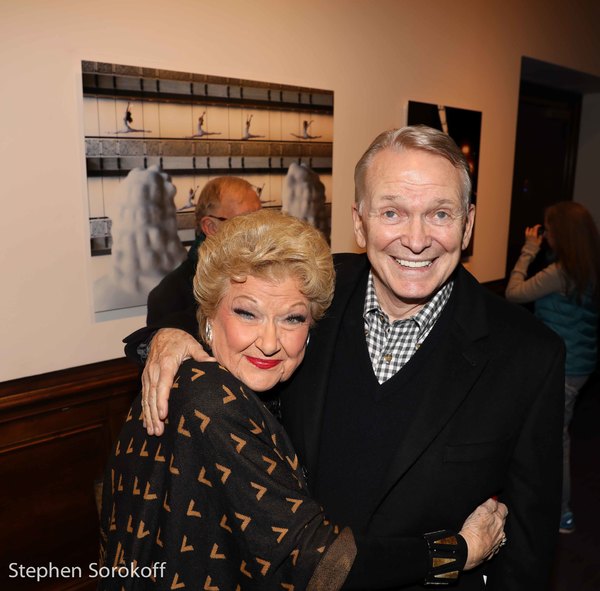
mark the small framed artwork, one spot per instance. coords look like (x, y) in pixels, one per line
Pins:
(462, 125)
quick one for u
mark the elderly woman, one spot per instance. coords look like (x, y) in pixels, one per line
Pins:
(219, 502)
(221, 498)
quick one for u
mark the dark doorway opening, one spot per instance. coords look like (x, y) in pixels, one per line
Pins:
(545, 156)
(546, 145)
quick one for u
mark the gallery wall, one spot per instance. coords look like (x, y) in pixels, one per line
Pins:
(376, 55)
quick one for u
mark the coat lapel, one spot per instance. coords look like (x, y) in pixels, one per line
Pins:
(454, 368)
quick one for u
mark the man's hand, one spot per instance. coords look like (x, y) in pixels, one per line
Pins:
(483, 531)
(169, 348)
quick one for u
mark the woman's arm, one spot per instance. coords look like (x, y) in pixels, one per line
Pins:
(521, 290)
(479, 539)
(252, 469)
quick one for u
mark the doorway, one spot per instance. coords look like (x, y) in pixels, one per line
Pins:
(545, 150)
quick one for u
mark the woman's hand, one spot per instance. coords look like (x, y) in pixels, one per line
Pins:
(483, 531)
(169, 348)
(533, 235)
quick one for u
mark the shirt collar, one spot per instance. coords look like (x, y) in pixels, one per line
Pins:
(424, 318)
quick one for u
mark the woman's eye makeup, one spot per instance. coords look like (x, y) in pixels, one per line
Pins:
(296, 319)
(290, 319)
(243, 313)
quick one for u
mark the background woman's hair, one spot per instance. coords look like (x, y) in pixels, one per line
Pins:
(576, 245)
(268, 245)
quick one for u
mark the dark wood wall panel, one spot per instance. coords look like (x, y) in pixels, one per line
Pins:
(56, 431)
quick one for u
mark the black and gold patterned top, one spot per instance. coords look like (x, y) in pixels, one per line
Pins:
(218, 502)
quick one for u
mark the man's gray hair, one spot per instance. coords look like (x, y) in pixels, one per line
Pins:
(415, 137)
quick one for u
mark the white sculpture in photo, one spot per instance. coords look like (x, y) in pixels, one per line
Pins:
(146, 245)
(303, 196)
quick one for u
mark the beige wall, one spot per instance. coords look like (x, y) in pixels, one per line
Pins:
(375, 55)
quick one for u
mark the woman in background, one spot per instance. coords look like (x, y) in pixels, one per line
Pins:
(565, 295)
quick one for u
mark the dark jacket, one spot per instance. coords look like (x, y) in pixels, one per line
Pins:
(490, 423)
(175, 292)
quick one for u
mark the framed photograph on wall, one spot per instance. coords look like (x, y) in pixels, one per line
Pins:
(462, 125)
(154, 138)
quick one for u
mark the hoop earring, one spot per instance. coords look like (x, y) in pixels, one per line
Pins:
(307, 340)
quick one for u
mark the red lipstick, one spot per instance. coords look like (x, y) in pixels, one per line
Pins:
(263, 363)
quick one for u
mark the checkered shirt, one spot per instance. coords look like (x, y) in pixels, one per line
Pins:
(391, 345)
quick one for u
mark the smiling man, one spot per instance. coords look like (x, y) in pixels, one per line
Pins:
(421, 393)
(413, 220)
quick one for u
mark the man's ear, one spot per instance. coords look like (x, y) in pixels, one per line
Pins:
(469, 223)
(208, 226)
(359, 229)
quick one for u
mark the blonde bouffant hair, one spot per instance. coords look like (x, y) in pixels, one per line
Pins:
(267, 245)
